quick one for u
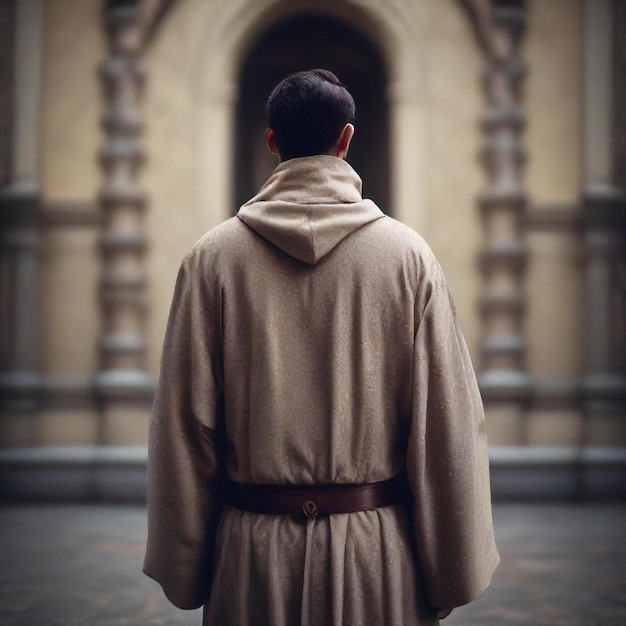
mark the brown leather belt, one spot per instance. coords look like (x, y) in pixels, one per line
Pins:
(312, 500)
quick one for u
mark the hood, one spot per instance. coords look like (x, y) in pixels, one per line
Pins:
(308, 206)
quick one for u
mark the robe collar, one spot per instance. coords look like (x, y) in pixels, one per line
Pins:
(308, 206)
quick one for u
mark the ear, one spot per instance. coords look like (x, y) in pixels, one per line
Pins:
(343, 144)
(271, 141)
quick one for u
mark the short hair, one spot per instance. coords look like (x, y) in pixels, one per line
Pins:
(307, 112)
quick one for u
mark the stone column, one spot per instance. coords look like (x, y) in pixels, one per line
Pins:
(20, 380)
(123, 386)
(604, 207)
(503, 379)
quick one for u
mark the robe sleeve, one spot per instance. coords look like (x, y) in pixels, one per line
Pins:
(183, 454)
(447, 459)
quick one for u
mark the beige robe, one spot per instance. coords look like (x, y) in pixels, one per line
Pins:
(313, 339)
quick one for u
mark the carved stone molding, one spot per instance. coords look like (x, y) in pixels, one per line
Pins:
(122, 241)
(69, 214)
(51, 391)
(19, 247)
(23, 391)
(73, 473)
(555, 218)
(558, 473)
(118, 474)
(557, 394)
(500, 27)
(67, 392)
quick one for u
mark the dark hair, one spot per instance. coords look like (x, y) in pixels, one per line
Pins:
(307, 112)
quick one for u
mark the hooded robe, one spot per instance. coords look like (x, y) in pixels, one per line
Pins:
(312, 340)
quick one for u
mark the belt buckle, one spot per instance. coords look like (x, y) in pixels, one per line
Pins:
(309, 508)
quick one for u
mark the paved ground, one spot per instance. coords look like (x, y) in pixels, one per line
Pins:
(81, 565)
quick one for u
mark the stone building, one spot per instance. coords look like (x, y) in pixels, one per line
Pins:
(495, 128)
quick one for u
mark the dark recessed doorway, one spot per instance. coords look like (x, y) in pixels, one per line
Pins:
(305, 42)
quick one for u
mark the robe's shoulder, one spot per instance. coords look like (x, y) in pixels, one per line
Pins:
(220, 235)
(224, 239)
(402, 235)
(392, 240)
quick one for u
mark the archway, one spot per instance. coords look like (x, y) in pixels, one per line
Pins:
(307, 41)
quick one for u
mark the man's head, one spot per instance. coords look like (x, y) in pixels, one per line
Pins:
(309, 113)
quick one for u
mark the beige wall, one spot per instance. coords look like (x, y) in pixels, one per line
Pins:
(437, 100)
(553, 50)
(453, 175)
(178, 213)
(555, 320)
(554, 140)
(73, 46)
(555, 303)
(70, 306)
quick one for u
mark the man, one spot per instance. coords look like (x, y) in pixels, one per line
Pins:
(317, 448)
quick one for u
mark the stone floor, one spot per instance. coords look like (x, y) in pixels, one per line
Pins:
(81, 565)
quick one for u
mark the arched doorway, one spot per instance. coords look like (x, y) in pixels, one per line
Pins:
(308, 41)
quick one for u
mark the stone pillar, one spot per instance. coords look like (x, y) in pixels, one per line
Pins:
(604, 208)
(123, 386)
(20, 380)
(503, 379)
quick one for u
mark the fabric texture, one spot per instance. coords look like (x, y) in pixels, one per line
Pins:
(312, 339)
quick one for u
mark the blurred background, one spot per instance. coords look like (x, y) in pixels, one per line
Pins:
(128, 128)
(496, 129)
